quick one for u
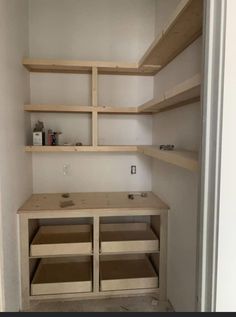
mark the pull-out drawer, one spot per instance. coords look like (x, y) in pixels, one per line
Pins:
(127, 274)
(65, 277)
(62, 240)
(128, 237)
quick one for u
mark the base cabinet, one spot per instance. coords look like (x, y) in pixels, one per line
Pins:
(95, 253)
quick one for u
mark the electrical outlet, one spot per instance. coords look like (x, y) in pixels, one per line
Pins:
(133, 169)
(65, 169)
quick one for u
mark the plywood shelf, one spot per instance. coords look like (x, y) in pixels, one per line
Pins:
(60, 149)
(127, 274)
(184, 159)
(85, 67)
(185, 93)
(81, 109)
(62, 240)
(58, 108)
(184, 27)
(113, 203)
(62, 277)
(128, 238)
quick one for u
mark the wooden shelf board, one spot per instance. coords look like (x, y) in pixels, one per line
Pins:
(100, 295)
(117, 110)
(93, 201)
(184, 159)
(183, 94)
(57, 108)
(184, 27)
(59, 149)
(81, 109)
(85, 67)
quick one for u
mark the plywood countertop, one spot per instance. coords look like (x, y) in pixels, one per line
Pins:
(92, 202)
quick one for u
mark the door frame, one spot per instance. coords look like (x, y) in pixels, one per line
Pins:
(2, 289)
(210, 156)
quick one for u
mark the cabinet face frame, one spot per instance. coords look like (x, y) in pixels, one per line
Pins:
(29, 223)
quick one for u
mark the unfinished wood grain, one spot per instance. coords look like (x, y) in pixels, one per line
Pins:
(183, 28)
(128, 237)
(100, 295)
(24, 262)
(82, 109)
(117, 110)
(78, 149)
(62, 240)
(95, 129)
(58, 108)
(85, 67)
(127, 274)
(101, 203)
(163, 257)
(62, 278)
(183, 94)
(185, 159)
(96, 263)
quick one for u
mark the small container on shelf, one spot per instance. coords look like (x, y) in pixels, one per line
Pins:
(39, 134)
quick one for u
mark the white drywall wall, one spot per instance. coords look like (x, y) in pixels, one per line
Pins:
(92, 30)
(176, 186)
(15, 165)
(226, 275)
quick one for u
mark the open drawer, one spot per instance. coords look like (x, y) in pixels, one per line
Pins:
(128, 237)
(125, 274)
(62, 240)
(62, 277)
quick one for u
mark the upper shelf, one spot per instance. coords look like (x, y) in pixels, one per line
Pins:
(181, 95)
(85, 67)
(184, 27)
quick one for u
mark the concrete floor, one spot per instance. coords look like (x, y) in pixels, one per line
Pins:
(127, 304)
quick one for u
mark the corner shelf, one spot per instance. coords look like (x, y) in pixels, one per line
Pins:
(184, 159)
(184, 28)
(183, 94)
